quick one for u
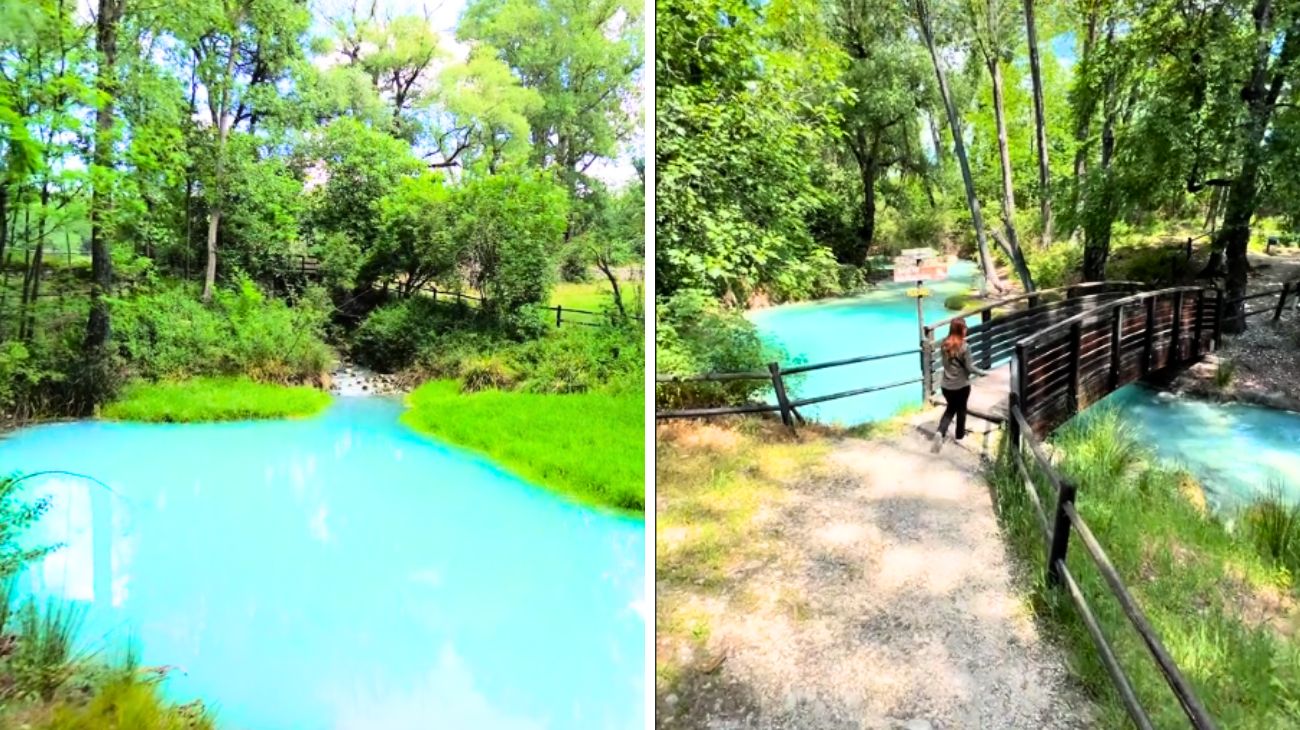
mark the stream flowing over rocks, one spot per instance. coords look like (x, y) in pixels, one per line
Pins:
(350, 380)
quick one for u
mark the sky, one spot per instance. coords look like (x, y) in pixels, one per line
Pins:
(443, 15)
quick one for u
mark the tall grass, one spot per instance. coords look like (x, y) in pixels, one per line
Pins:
(1273, 526)
(1204, 588)
(45, 655)
(214, 399)
(589, 446)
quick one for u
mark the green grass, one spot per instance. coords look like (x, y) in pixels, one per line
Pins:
(588, 295)
(1214, 598)
(588, 446)
(214, 399)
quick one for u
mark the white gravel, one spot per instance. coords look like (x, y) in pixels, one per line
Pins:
(892, 605)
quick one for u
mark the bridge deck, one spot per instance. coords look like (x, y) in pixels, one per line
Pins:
(989, 395)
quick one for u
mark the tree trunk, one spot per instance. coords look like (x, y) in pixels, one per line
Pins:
(210, 274)
(868, 170)
(959, 149)
(1099, 202)
(607, 268)
(98, 327)
(1083, 126)
(1008, 189)
(1040, 128)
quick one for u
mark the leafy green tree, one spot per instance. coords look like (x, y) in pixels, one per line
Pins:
(416, 247)
(744, 95)
(511, 226)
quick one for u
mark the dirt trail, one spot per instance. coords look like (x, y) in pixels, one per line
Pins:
(908, 616)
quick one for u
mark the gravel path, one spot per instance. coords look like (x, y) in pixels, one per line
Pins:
(891, 605)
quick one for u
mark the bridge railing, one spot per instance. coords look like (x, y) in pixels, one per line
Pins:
(1062, 369)
(776, 374)
(1065, 520)
(992, 339)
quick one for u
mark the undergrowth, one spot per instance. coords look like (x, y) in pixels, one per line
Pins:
(1210, 594)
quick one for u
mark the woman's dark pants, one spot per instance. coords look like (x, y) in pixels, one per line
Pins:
(956, 405)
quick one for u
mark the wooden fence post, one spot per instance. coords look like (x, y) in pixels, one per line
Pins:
(1189, 248)
(1281, 301)
(781, 399)
(1199, 325)
(1013, 423)
(1116, 343)
(559, 314)
(1060, 532)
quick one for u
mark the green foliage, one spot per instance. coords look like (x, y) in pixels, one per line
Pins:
(1224, 374)
(214, 399)
(695, 335)
(486, 373)
(171, 335)
(582, 360)
(393, 335)
(563, 431)
(16, 517)
(417, 246)
(511, 225)
(743, 94)
(958, 302)
(129, 702)
(1055, 267)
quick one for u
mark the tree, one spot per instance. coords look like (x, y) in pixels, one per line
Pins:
(959, 148)
(107, 21)
(510, 225)
(416, 246)
(583, 58)
(888, 76)
(993, 35)
(1040, 127)
(486, 112)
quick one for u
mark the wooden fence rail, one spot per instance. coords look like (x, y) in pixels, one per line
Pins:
(1066, 519)
(776, 375)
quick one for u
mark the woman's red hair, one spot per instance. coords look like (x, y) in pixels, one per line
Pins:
(956, 337)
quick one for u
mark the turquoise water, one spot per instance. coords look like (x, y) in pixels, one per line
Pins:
(1238, 452)
(341, 572)
(880, 322)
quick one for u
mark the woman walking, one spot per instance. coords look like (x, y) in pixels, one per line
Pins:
(957, 372)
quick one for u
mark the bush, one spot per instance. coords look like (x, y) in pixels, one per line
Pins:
(958, 302)
(694, 334)
(172, 335)
(394, 334)
(486, 373)
(579, 360)
(1273, 527)
(1059, 265)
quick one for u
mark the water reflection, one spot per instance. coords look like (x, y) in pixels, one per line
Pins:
(300, 575)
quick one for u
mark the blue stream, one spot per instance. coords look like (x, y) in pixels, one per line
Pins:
(341, 572)
(1237, 451)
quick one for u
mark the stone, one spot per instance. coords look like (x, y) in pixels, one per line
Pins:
(918, 724)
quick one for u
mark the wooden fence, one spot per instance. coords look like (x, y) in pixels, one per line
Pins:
(1056, 535)
(776, 375)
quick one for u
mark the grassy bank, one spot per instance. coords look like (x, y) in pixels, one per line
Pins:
(1224, 608)
(213, 399)
(588, 446)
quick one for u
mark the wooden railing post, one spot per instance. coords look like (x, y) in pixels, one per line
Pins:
(1013, 423)
(1060, 532)
(1076, 334)
(986, 347)
(927, 365)
(781, 399)
(1218, 317)
(1176, 330)
(1116, 343)
(1281, 302)
(1198, 325)
(1148, 346)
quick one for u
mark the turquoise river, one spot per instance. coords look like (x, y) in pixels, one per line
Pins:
(1237, 451)
(340, 572)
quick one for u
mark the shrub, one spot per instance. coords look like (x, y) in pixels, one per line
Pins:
(16, 517)
(486, 373)
(44, 656)
(171, 334)
(1057, 266)
(958, 302)
(694, 334)
(394, 334)
(131, 702)
(583, 359)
